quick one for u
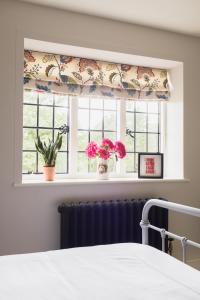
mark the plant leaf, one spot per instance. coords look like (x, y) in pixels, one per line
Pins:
(77, 75)
(71, 80)
(49, 70)
(111, 77)
(49, 150)
(165, 83)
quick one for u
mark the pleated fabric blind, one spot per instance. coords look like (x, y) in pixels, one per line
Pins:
(53, 73)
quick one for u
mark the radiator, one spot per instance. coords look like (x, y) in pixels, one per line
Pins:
(107, 222)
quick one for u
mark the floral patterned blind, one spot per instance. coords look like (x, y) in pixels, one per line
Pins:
(54, 73)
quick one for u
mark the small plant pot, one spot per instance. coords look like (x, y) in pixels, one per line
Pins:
(49, 173)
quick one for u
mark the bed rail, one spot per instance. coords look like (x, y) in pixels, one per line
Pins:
(145, 224)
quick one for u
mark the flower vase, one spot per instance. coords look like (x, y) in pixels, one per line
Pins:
(102, 169)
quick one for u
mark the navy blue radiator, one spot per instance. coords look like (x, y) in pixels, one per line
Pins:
(107, 222)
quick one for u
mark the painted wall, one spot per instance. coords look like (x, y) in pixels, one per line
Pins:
(28, 215)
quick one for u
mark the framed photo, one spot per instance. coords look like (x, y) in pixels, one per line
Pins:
(150, 165)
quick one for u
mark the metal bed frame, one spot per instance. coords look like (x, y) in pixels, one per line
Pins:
(145, 224)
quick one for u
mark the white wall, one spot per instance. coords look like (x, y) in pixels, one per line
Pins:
(28, 215)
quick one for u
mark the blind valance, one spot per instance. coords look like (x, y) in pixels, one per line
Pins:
(88, 77)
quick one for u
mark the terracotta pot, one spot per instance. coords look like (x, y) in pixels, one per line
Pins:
(49, 173)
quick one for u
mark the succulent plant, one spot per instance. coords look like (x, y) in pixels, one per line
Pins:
(49, 150)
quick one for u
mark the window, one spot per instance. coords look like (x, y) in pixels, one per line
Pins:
(97, 118)
(142, 131)
(43, 115)
(136, 123)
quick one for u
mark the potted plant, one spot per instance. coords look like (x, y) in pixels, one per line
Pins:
(49, 153)
(104, 152)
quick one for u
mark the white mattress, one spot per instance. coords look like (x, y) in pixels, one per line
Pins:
(121, 271)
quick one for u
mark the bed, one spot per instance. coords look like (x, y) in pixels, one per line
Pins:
(118, 271)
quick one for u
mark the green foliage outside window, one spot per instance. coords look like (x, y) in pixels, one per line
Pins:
(43, 114)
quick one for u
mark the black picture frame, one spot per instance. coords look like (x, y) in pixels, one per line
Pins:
(155, 172)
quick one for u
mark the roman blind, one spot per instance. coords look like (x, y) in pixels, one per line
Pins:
(46, 72)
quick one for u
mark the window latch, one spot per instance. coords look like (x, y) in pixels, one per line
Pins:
(130, 133)
(64, 129)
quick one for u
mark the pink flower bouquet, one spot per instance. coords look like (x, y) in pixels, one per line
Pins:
(106, 149)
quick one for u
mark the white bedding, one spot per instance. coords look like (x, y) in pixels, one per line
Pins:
(111, 272)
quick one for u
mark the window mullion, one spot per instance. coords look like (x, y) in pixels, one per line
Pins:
(73, 134)
(162, 126)
(121, 132)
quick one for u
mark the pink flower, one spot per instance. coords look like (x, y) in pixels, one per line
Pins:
(91, 150)
(104, 154)
(107, 143)
(106, 149)
(120, 149)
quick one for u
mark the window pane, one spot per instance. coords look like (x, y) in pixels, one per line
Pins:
(130, 105)
(61, 162)
(141, 122)
(83, 102)
(93, 165)
(100, 122)
(141, 142)
(110, 135)
(96, 103)
(61, 100)
(129, 144)
(141, 111)
(83, 119)
(61, 116)
(82, 163)
(29, 162)
(130, 121)
(110, 120)
(29, 136)
(40, 163)
(112, 164)
(129, 162)
(30, 97)
(96, 119)
(153, 107)
(45, 135)
(45, 116)
(153, 142)
(110, 104)
(45, 107)
(141, 106)
(46, 98)
(30, 115)
(64, 146)
(153, 123)
(83, 139)
(136, 162)
(96, 136)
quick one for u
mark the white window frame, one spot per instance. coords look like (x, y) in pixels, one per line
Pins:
(73, 138)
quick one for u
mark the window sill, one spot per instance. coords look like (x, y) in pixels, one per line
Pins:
(68, 182)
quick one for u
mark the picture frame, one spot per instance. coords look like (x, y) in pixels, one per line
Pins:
(150, 165)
